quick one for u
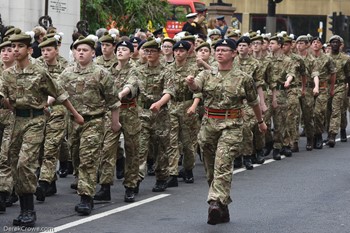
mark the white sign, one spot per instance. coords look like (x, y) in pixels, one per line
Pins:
(58, 5)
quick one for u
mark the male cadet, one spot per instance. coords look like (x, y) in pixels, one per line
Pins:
(155, 127)
(221, 129)
(56, 123)
(294, 93)
(183, 124)
(324, 76)
(280, 74)
(191, 26)
(339, 99)
(307, 94)
(92, 91)
(27, 86)
(108, 44)
(6, 123)
(191, 52)
(221, 25)
(167, 50)
(215, 35)
(126, 84)
(250, 66)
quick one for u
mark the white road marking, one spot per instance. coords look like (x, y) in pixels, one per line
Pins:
(105, 214)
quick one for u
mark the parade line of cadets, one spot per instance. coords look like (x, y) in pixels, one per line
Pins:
(171, 99)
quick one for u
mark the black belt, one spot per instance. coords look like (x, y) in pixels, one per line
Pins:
(182, 98)
(91, 117)
(29, 112)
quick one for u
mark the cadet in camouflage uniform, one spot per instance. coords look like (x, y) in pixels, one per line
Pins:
(183, 124)
(324, 78)
(56, 123)
(221, 130)
(249, 65)
(280, 74)
(293, 95)
(126, 83)
(27, 86)
(155, 125)
(108, 45)
(307, 92)
(342, 63)
(92, 91)
(6, 124)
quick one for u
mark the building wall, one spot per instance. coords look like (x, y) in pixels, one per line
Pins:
(25, 14)
(292, 7)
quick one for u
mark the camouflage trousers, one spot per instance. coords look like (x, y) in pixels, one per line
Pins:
(267, 137)
(54, 134)
(86, 142)
(6, 174)
(337, 107)
(293, 115)
(307, 108)
(279, 116)
(219, 141)
(320, 111)
(131, 127)
(344, 113)
(154, 134)
(183, 129)
(27, 138)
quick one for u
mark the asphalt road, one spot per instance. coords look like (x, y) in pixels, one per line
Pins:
(307, 193)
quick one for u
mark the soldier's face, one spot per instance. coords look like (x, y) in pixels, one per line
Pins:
(49, 53)
(167, 48)
(198, 42)
(123, 53)
(301, 46)
(7, 55)
(243, 48)
(316, 45)
(203, 53)
(287, 47)
(180, 54)
(274, 46)
(152, 54)
(224, 54)
(107, 48)
(21, 50)
(84, 54)
(335, 45)
(256, 46)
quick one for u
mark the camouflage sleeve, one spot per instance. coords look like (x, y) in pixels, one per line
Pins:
(200, 80)
(331, 66)
(132, 84)
(52, 88)
(170, 86)
(291, 68)
(259, 75)
(250, 91)
(108, 90)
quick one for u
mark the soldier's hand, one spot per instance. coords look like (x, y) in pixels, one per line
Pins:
(331, 92)
(262, 127)
(190, 79)
(274, 104)
(155, 107)
(191, 110)
(286, 84)
(315, 91)
(303, 92)
(79, 119)
(263, 108)
(116, 127)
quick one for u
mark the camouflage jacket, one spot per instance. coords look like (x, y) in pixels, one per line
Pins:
(278, 69)
(324, 67)
(106, 63)
(342, 63)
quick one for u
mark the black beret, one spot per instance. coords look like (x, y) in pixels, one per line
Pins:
(182, 44)
(127, 44)
(317, 38)
(157, 32)
(226, 42)
(243, 39)
(141, 44)
(135, 40)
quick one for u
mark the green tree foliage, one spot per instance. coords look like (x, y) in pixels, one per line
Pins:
(126, 14)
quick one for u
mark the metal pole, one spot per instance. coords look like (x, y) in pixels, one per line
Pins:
(271, 17)
(46, 7)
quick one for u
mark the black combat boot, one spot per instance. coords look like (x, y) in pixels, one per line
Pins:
(85, 206)
(189, 179)
(331, 140)
(63, 170)
(309, 143)
(319, 141)
(247, 161)
(225, 214)
(343, 137)
(150, 167)
(215, 213)
(17, 221)
(295, 147)
(260, 157)
(129, 194)
(74, 185)
(286, 151)
(40, 192)
(238, 162)
(137, 188)
(3, 196)
(52, 189)
(120, 168)
(160, 186)
(29, 215)
(172, 182)
(268, 148)
(276, 154)
(104, 194)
